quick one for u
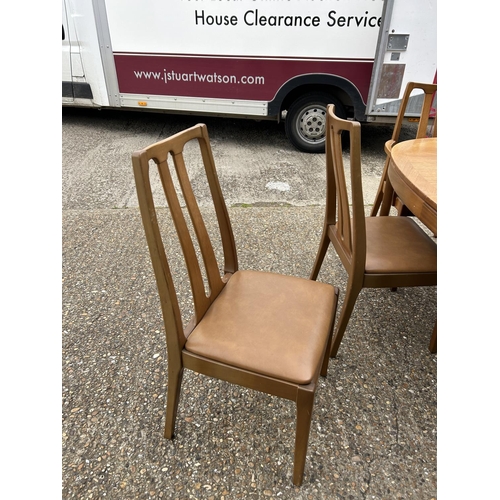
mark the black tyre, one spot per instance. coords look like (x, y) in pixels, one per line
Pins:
(305, 123)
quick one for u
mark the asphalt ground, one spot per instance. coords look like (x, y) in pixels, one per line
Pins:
(374, 427)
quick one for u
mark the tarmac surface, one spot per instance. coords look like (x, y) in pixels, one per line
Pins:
(374, 426)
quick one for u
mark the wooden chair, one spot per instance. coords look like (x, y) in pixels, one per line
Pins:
(382, 204)
(377, 252)
(260, 330)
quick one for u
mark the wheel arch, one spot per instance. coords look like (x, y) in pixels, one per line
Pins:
(342, 88)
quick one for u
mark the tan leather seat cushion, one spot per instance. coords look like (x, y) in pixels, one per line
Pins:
(398, 245)
(267, 323)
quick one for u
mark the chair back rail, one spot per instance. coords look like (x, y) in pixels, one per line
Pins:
(430, 90)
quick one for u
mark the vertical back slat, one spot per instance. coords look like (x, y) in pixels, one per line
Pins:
(358, 205)
(344, 216)
(201, 302)
(205, 245)
(424, 115)
(226, 231)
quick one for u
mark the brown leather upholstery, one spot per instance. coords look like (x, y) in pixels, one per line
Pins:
(260, 330)
(377, 252)
(395, 245)
(258, 321)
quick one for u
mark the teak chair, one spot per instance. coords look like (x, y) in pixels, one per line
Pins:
(260, 330)
(377, 252)
(382, 204)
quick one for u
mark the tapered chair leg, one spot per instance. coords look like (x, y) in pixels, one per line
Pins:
(433, 341)
(378, 199)
(305, 401)
(320, 256)
(380, 191)
(326, 358)
(173, 395)
(347, 307)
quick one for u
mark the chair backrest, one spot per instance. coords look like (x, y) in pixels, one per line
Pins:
(426, 111)
(349, 228)
(158, 154)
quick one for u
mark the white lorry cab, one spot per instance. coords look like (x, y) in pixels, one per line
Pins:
(260, 59)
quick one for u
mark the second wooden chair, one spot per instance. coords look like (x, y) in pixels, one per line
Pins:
(377, 252)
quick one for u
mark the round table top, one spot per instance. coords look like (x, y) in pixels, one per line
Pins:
(416, 161)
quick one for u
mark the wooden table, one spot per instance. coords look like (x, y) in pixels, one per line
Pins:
(412, 173)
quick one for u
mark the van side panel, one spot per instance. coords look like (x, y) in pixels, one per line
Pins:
(225, 77)
(234, 57)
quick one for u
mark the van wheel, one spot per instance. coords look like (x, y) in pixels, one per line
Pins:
(305, 122)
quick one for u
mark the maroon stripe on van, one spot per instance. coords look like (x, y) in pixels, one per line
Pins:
(227, 78)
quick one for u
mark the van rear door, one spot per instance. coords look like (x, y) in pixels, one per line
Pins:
(406, 52)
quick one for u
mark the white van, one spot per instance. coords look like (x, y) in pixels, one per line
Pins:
(260, 59)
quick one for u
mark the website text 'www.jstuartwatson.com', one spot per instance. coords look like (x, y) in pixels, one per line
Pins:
(175, 76)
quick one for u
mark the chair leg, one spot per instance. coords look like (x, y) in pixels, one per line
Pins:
(380, 191)
(305, 401)
(173, 395)
(326, 358)
(347, 307)
(388, 195)
(378, 199)
(433, 342)
(320, 256)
